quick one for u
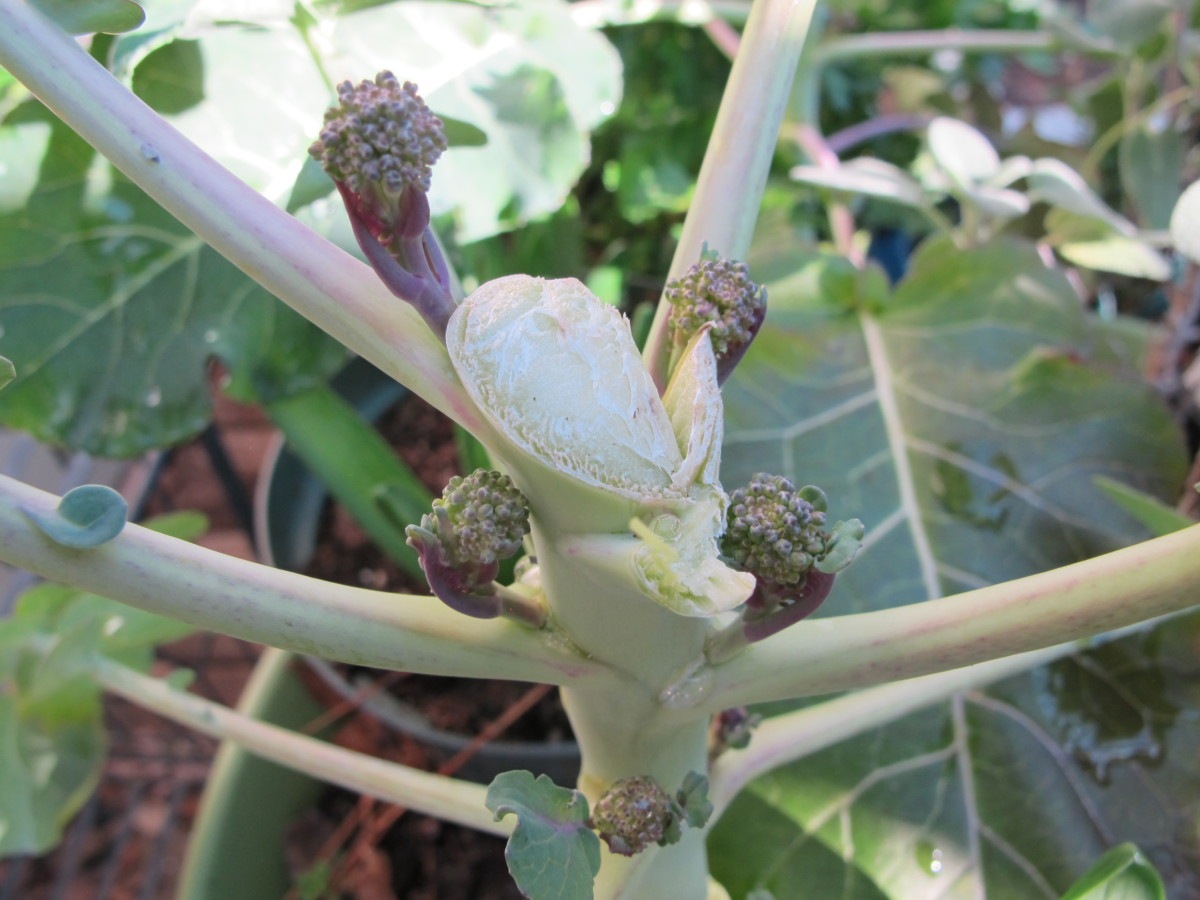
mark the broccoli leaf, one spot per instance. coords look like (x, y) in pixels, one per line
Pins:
(552, 853)
(966, 420)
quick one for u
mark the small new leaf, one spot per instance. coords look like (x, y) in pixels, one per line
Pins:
(551, 853)
(844, 543)
(86, 517)
(690, 807)
(692, 797)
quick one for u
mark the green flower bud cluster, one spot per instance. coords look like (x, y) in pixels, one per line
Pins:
(775, 531)
(717, 291)
(633, 814)
(380, 139)
(487, 516)
(480, 520)
(636, 812)
(379, 145)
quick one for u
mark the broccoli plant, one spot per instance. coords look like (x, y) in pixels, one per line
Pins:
(661, 603)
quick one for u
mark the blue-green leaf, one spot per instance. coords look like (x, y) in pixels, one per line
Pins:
(552, 854)
(965, 421)
(87, 516)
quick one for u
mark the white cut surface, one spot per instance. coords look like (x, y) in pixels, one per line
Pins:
(558, 372)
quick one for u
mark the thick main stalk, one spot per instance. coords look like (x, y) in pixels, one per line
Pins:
(620, 720)
(622, 731)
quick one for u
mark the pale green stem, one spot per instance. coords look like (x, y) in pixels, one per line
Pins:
(163, 575)
(841, 220)
(320, 281)
(920, 42)
(784, 739)
(733, 175)
(424, 792)
(822, 656)
(792, 736)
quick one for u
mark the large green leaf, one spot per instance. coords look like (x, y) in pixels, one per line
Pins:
(111, 311)
(963, 420)
(1010, 793)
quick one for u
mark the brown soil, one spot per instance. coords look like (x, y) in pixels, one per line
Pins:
(376, 860)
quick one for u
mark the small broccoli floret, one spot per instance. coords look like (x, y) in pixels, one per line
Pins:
(380, 141)
(379, 145)
(487, 515)
(480, 520)
(717, 292)
(774, 531)
(633, 814)
(778, 534)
